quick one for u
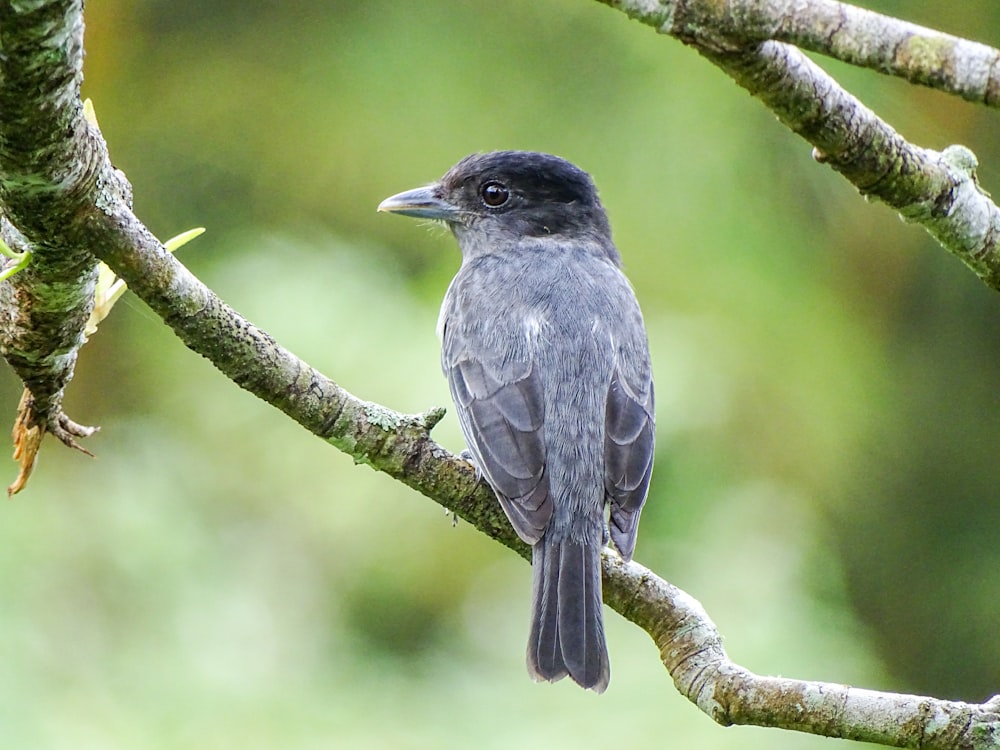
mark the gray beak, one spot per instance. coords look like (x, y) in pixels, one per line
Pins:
(421, 203)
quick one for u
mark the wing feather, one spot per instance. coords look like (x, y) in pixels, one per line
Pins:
(628, 456)
(501, 410)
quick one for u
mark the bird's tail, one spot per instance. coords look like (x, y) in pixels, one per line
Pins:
(567, 626)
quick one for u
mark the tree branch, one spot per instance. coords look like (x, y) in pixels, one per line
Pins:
(45, 177)
(691, 650)
(937, 190)
(63, 195)
(845, 32)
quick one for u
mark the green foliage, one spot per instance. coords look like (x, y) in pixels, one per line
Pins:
(21, 260)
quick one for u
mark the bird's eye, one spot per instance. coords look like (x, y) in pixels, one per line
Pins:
(494, 194)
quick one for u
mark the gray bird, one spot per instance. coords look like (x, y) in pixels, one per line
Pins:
(545, 352)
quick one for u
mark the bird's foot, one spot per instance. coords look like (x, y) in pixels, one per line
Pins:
(466, 455)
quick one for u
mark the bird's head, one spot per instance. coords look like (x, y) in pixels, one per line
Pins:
(508, 196)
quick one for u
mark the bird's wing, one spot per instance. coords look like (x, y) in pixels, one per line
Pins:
(501, 409)
(628, 451)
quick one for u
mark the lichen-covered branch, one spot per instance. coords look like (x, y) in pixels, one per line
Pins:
(691, 650)
(937, 190)
(846, 32)
(889, 45)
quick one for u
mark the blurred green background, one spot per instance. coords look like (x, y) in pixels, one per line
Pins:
(828, 409)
